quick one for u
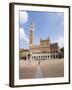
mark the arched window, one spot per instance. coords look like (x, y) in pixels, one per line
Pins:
(56, 56)
(34, 57)
(51, 56)
(48, 56)
(39, 56)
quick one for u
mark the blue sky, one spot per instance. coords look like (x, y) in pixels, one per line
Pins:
(47, 24)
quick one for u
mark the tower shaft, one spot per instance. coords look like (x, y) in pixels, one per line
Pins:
(31, 35)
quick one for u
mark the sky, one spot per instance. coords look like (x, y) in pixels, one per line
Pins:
(47, 24)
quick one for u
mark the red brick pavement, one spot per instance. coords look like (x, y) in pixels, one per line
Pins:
(52, 68)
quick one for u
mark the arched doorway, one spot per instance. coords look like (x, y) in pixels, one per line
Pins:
(29, 56)
(24, 58)
(54, 56)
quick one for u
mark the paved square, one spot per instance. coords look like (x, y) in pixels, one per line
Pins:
(44, 69)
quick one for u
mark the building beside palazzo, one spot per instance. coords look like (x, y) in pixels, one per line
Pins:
(23, 54)
(45, 50)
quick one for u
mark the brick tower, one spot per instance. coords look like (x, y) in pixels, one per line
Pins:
(31, 34)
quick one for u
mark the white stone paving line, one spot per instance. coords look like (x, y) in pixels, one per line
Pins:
(39, 73)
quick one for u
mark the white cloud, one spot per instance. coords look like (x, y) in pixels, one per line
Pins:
(24, 41)
(61, 41)
(23, 17)
(23, 36)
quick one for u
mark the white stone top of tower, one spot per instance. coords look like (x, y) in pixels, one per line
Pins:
(32, 25)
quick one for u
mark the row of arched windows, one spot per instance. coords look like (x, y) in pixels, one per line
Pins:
(45, 57)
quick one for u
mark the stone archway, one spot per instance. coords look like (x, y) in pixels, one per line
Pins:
(29, 56)
(54, 56)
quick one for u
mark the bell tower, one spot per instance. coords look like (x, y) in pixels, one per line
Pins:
(31, 34)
